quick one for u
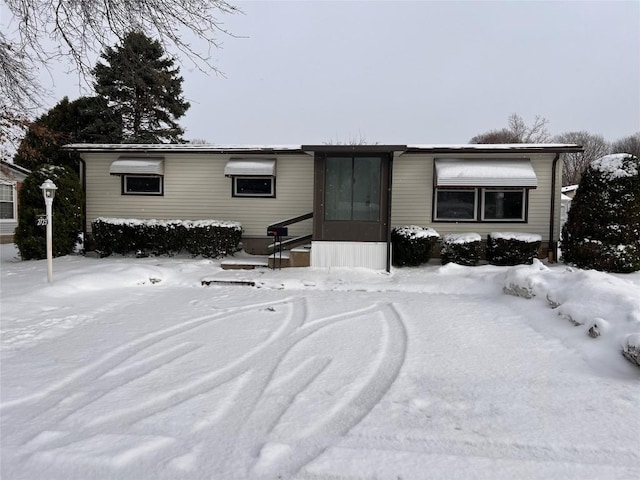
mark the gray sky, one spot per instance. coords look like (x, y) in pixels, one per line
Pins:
(415, 72)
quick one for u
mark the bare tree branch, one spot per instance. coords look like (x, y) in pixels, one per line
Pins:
(78, 29)
(574, 164)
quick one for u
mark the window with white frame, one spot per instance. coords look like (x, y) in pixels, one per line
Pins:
(503, 205)
(254, 186)
(7, 201)
(456, 204)
(481, 204)
(142, 185)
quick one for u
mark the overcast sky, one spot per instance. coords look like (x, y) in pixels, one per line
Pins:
(415, 72)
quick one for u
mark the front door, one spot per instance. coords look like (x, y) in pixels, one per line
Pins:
(351, 197)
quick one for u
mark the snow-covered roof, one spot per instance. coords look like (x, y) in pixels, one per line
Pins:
(181, 147)
(21, 172)
(496, 148)
(301, 149)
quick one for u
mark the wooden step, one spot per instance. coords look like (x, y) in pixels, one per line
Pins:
(300, 257)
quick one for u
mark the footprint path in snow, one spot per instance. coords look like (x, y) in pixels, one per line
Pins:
(253, 409)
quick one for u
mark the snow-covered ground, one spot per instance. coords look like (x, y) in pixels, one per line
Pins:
(129, 368)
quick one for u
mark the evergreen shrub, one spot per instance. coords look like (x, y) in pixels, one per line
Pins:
(209, 238)
(602, 231)
(412, 245)
(461, 248)
(511, 248)
(30, 238)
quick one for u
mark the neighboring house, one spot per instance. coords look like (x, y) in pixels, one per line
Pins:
(355, 194)
(11, 178)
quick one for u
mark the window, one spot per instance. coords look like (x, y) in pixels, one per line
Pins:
(7, 202)
(254, 186)
(503, 205)
(456, 204)
(142, 185)
(352, 190)
(480, 204)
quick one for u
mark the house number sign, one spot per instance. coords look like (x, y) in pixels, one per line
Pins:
(41, 221)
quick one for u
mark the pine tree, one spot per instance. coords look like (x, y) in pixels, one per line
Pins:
(85, 120)
(144, 88)
(602, 231)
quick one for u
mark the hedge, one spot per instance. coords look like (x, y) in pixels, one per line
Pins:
(461, 248)
(209, 238)
(412, 245)
(511, 248)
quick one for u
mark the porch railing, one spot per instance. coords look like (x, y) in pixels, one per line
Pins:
(294, 241)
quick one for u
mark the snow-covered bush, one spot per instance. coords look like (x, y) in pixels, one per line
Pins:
(602, 231)
(597, 304)
(461, 248)
(631, 348)
(209, 238)
(412, 245)
(512, 248)
(30, 238)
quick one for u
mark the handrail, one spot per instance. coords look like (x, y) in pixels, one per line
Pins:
(299, 240)
(289, 221)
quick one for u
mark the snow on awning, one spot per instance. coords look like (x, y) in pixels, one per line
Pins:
(485, 173)
(240, 167)
(137, 166)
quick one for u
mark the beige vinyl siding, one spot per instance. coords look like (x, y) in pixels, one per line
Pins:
(195, 188)
(412, 197)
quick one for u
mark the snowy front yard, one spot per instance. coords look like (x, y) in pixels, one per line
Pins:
(131, 369)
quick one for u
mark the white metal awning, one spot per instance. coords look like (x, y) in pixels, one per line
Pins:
(137, 166)
(260, 167)
(485, 173)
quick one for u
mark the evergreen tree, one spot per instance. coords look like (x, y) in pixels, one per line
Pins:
(602, 231)
(85, 120)
(67, 213)
(144, 88)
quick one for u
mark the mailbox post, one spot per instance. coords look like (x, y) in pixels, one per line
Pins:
(49, 191)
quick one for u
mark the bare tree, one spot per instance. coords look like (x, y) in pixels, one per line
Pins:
(574, 164)
(630, 144)
(45, 30)
(360, 139)
(503, 135)
(517, 132)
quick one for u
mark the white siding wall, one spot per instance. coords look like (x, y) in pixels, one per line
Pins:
(349, 254)
(412, 200)
(195, 188)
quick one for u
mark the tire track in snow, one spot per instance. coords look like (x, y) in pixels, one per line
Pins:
(495, 449)
(313, 441)
(47, 405)
(253, 411)
(158, 403)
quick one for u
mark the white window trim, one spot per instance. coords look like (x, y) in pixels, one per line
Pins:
(14, 193)
(445, 219)
(156, 194)
(479, 197)
(522, 213)
(272, 193)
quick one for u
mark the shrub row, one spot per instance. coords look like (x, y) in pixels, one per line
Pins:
(209, 238)
(413, 245)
